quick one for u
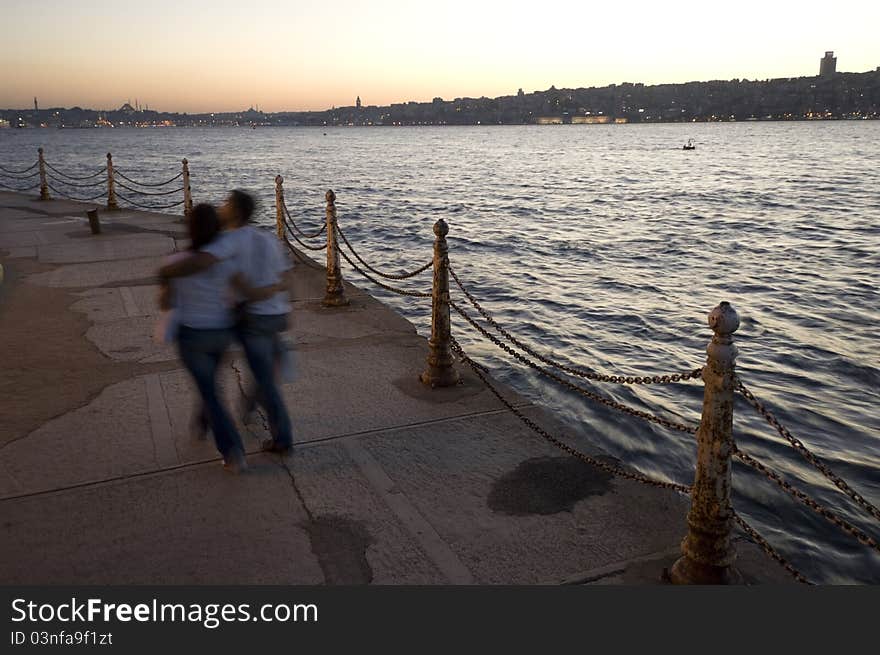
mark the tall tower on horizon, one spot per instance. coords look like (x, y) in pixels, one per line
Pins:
(36, 106)
(828, 64)
(358, 102)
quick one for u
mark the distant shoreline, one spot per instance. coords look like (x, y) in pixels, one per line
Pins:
(447, 125)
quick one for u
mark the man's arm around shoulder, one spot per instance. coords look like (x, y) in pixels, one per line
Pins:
(195, 263)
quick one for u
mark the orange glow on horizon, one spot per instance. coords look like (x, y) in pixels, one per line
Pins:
(227, 56)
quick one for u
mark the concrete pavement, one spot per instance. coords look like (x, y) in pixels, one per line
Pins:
(101, 481)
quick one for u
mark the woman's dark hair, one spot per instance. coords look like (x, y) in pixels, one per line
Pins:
(244, 204)
(204, 225)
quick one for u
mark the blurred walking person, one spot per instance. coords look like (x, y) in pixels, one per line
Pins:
(205, 324)
(263, 314)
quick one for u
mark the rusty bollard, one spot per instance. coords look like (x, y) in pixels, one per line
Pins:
(111, 186)
(707, 554)
(44, 184)
(94, 221)
(279, 207)
(335, 296)
(440, 371)
(187, 191)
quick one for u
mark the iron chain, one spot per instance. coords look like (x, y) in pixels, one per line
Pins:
(288, 228)
(608, 402)
(19, 176)
(387, 276)
(296, 227)
(149, 207)
(118, 172)
(798, 445)
(771, 552)
(76, 177)
(148, 193)
(87, 185)
(596, 377)
(401, 292)
(69, 197)
(605, 466)
(824, 512)
(12, 188)
(12, 171)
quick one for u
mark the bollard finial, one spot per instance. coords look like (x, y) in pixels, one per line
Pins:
(724, 319)
(279, 180)
(330, 196)
(40, 150)
(441, 229)
(109, 156)
(185, 161)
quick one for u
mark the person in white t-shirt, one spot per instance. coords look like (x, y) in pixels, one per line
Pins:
(205, 328)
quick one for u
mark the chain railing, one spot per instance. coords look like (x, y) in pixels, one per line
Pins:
(10, 178)
(80, 186)
(13, 171)
(70, 176)
(375, 271)
(296, 228)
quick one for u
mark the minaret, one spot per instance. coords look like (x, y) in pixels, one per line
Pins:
(36, 106)
(358, 102)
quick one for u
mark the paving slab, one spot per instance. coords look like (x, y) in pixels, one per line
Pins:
(136, 426)
(188, 526)
(515, 509)
(371, 543)
(101, 248)
(96, 274)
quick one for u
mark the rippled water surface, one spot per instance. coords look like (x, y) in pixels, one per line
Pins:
(607, 246)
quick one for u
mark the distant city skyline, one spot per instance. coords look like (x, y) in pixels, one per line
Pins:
(226, 56)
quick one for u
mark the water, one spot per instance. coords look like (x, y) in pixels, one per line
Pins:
(607, 246)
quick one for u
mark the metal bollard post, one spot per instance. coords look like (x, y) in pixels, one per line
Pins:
(279, 207)
(187, 192)
(111, 188)
(94, 221)
(335, 296)
(44, 185)
(707, 554)
(440, 371)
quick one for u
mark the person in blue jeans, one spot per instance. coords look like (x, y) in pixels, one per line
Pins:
(264, 305)
(205, 331)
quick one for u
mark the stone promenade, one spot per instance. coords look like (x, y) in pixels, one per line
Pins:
(101, 481)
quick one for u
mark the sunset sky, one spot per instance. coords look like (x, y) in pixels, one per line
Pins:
(224, 55)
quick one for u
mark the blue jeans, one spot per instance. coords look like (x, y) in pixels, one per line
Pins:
(259, 336)
(201, 352)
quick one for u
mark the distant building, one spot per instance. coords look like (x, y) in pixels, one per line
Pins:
(36, 106)
(358, 102)
(828, 64)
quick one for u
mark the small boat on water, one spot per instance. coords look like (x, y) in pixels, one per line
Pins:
(689, 145)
